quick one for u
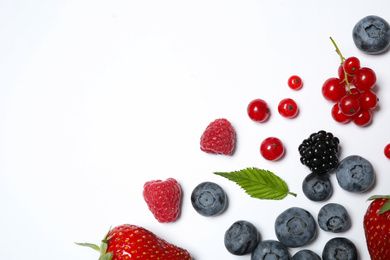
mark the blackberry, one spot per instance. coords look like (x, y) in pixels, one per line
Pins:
(319, 152)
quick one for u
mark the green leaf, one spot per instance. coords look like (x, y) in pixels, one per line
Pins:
(106, 256)
(93, 246)
(379, 197)
(257, 183)
(385, 207)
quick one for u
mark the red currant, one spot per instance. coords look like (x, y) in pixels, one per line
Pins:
(351, 65)
(295, 82)
(368, 100)
(362, 118)
(258, 110)
(342, 74)
(333, 89)
(288, 108)
(364, 79)
(349, 105)
(387, 151)
(338, 116)
(272, 149)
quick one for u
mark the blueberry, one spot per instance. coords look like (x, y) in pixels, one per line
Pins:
(317, 187)
(295, 227)
(339, 248)
(334, 218)
(208, 199)
(270, 250)
(372, 34)
(355, 174)
(241, 238)
(305, 254)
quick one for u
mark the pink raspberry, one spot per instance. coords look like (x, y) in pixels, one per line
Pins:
(163, 199)
(218, 138)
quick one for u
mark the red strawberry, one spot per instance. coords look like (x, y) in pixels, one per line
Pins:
(218, 138)
(128, 242)
(377, 227)
(163, 199)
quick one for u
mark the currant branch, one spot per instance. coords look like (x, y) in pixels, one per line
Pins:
(342, 62)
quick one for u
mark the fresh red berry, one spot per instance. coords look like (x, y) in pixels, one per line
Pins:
(288, 108)
(338, 116)
(126, 242)
(163, 199)
(333, 89)
(376, 226)
(364, 79)
(351, 65)
(349, 105)
(272, 149)
(387, 151)
(295, 82)
(258, 110)
(218, 138)
(362, 118)
(368, 100)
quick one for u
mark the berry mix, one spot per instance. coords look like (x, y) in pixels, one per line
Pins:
(352, 93)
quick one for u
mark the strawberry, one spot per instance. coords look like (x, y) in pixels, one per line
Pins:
(218, 138)
(377, 227)
(163, 199)
(128, 242)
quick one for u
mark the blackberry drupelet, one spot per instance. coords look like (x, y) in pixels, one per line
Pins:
(319, 152)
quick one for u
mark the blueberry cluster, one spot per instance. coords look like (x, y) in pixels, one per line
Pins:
(319, 152)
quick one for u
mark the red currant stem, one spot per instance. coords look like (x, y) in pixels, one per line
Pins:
(342, 62)
(338, 50)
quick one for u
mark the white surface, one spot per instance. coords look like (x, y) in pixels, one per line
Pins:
(98, 97)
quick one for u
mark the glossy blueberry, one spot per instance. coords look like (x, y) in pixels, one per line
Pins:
(340, 248)
(305, 254)
(334, 218)
(208, 199)
(270, 250)
(355, 174)
(317, 187)
(241, 238)
(295, 227)
(372, 34)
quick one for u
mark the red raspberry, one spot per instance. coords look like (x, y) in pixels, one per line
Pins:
(163, 199)
(218, 138)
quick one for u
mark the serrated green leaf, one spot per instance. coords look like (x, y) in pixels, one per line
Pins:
(385, 207)
(260, 184)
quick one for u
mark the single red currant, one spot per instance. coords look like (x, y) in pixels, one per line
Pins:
(333, 89)
(364, 79)
(338, 116)
(349, 105)
(387, 151)
(351, 65)
(258, 110)
(362, 118)
(368, 100)
(288, 108)
(295, 82)
(342, 74)
(272, 149)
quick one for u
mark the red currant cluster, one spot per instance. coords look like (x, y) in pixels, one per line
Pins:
(351, 92)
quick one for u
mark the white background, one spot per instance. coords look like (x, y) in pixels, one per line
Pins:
(98, 97)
